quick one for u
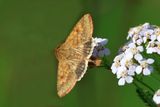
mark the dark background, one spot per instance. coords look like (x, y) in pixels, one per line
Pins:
(31, 29)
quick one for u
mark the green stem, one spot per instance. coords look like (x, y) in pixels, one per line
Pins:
(144, 84)
(105, 66)
(135, 84)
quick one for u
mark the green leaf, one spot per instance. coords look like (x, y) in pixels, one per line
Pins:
(146, 97)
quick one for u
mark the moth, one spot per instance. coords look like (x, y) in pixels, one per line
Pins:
(73, 55)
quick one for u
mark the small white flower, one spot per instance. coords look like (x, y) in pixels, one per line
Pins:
(116, 63)
(123, 76)
(139, 41)
(126, 61)
(135, 49)
(102, 41)
(134, 33)
(147, 35)
(119, 57)
(156, 97)
(151, 47)
(128, 54)
(146, 26)
(144, 66)
(151, 50)
(115, 67)
(132, 69)
(99, 49)
(157, 31)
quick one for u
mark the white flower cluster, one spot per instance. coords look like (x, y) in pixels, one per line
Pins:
(148, 34)
(130, 61)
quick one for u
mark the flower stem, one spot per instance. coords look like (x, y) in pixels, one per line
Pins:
(105, 66)
(146, 85)
(136, 84)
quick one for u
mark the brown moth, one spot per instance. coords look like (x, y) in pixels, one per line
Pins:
(73, 55)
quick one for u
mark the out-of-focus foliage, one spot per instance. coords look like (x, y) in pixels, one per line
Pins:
(31, 29)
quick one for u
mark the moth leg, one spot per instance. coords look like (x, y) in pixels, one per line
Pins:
(94, 62)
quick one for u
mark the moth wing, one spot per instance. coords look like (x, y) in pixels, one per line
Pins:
(68, 74)
(66, 78)
(80, 42)
(81, 33)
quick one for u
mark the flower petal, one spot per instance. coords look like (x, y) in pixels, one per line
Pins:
(138, 57)
(150, 50)
(101, 53)
(128, 54)
(146, 71)
(132, 70)
(100, 41)
(129, 79)
(106, 51)
(150, 61)
(153, 37)
(114, 68)
(138, 69)
(158, 38)
(121, 81)
(144, 39)
(139, 41)
(156, 97)
(131, 45)
(140, 48)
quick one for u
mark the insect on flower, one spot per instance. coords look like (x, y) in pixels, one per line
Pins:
(73, 55)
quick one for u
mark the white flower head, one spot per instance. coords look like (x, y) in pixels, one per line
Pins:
(133, 51)
(123, 76)
(130, 61)
(156, 97)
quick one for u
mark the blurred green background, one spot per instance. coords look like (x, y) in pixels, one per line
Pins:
(31, 29)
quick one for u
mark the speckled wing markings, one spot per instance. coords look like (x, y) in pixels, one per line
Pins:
(73, 55)
(81, 33)
(66, 78)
